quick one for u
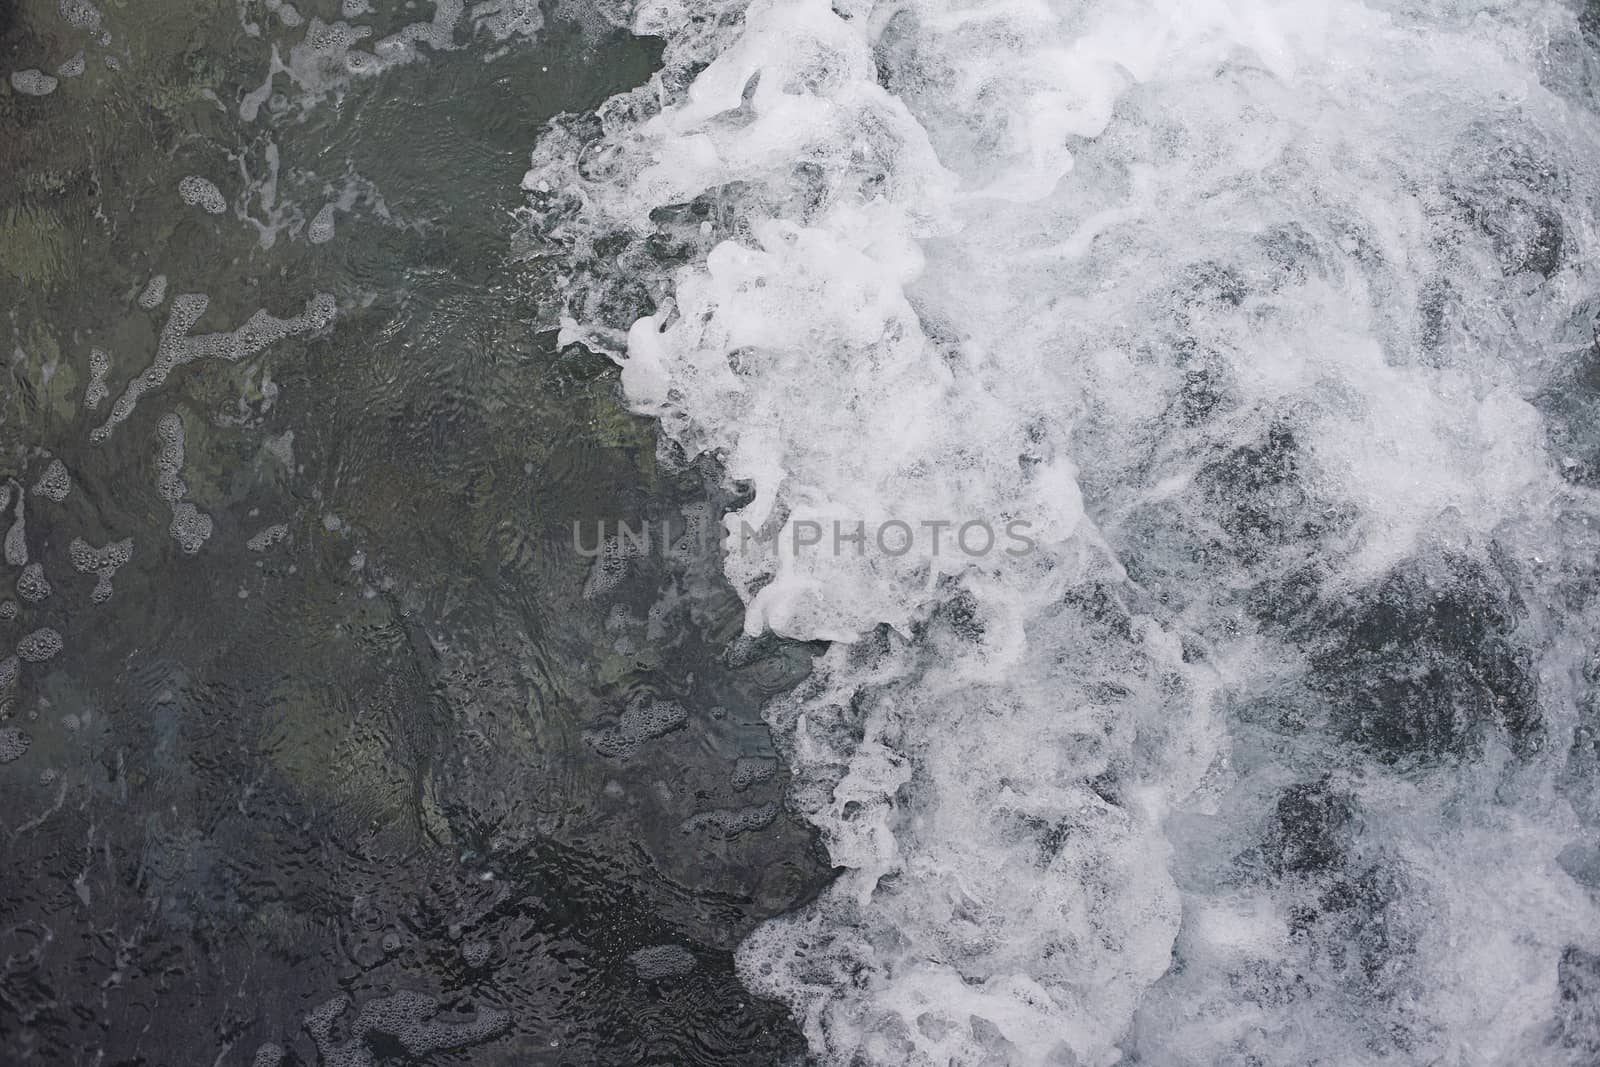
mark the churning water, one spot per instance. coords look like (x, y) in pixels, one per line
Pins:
(1275, 320)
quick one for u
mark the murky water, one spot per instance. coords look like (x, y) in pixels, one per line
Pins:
(319, 773)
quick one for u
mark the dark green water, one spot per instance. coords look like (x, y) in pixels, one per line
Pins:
(345, 795)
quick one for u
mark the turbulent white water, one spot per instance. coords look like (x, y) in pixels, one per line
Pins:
(1275, 320)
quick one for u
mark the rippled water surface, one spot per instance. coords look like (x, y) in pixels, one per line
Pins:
(318, 773)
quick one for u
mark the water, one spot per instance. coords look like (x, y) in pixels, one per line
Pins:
(1273, 321)
(307, 780)
(1263, 334)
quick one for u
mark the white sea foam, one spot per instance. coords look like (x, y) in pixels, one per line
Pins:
(1267, 317)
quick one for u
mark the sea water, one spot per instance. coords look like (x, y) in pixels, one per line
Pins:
(1274, 322)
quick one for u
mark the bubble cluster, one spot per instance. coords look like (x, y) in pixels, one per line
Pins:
(267, 536)
(80, 14)
(642, 722)
(95, 393)
(16, 541)
(611, 563)
(281, 448)
(72, 68)
(330, 40)
(322, 62)
(14, 744)
(407, 1020)
(749, 770)
(730, 822)
(170, 460)
(320, 230)
(55, 483)
(190, 526)
(32, 585)
(202, 193)
(662, 961)
(154, 293)
(102, 562)
(504, 19)
(33, 82)
(176, 348)
(325, 59)
(287, 13)
(40, 645)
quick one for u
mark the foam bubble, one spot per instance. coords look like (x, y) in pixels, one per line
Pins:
(16, 541)
(320, 231)
(176, 348)
(40, 645)
(14, 744)
(202, 193)
(80, 14)
(287, 13)
(169, 462)
(662, 961)
(102, 562)
(95, 393)
(611, 563)
(504, 19)
(32, 585)
(33, 82)
(644, 721)
(730, 822)
(267, 536)
(326, 58)
(281, 447)
(749, 770)
(406, 1019)
(154, 293)
(54, 483)
(190, 526)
